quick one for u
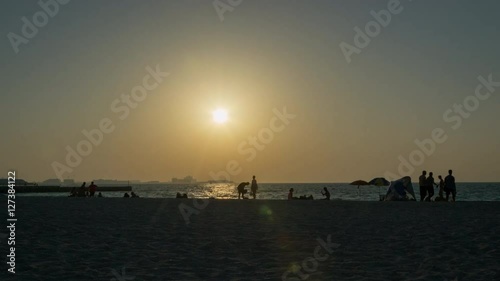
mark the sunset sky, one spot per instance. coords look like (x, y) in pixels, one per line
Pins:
(351, 120)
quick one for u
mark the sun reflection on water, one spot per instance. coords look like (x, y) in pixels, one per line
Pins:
(214, 190)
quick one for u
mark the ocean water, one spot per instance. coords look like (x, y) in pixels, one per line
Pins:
(279, 191)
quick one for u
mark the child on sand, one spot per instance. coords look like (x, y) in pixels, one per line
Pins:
(325, 193)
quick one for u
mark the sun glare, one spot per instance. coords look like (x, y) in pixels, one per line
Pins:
(220, 116)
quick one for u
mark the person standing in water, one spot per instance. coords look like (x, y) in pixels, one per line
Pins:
(449, 186)
(421, 183)
(254, 187)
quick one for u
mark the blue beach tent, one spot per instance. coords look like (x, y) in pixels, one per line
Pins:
(400, 190)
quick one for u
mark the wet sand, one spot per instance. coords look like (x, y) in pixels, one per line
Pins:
(149, 239)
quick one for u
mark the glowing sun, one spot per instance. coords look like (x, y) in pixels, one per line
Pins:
(220, 116)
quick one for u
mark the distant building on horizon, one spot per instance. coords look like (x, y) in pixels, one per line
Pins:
(69, 182)
(222, 180)
(5, 182)
(114, 182)
(187, 179)
(51, 182)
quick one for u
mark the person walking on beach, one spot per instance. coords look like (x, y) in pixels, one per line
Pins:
(254, 187)
(422, 183)
(290, 194)
(429, 182)
(242, 190)
(82, 190)
(441, 187)
(92, 189)
(449, 185)
(325, 193)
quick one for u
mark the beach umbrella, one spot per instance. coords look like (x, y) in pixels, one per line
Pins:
(379, 182)
(358, 183)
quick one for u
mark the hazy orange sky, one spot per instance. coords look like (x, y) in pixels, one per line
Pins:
(352, 120)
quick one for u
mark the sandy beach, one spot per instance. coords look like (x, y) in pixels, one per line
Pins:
(149, 239)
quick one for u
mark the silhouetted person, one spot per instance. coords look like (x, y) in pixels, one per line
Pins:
(325, 193)
(254, 187)
(422, 184)
(92, 189)
(73, 192)
(449, 186)
(180, 196)
(133, 195)
(429, 182)
(241, 189)
(290, 194)
(99, 195)
(441, 187)
(82, 190)
(126, 195)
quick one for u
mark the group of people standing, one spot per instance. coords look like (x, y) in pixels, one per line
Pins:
(253, 189)
(84, 191)
(427, 185)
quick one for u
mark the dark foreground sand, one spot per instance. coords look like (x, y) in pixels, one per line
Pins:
(148, 239)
